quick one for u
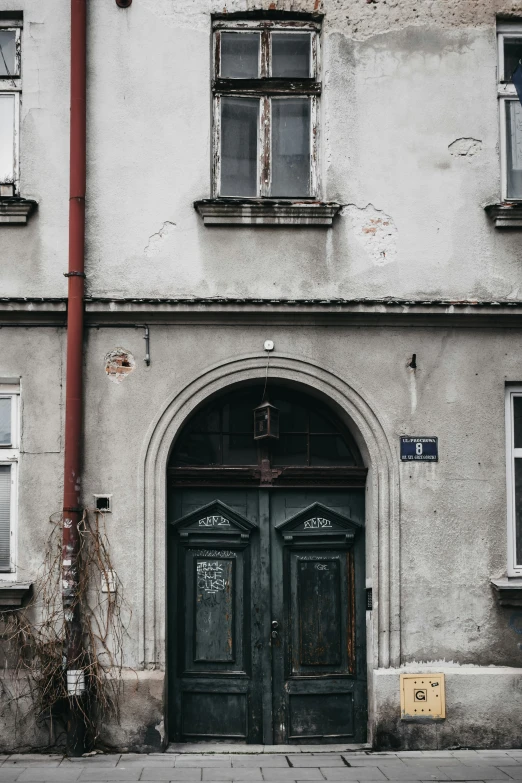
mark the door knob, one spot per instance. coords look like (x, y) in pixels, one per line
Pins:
(275, 626)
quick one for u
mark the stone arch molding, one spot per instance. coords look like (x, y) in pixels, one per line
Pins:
(382, 517)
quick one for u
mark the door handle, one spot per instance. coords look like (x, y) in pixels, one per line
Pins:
(275, 627)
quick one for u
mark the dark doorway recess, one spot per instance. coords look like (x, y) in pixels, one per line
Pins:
(266, 608)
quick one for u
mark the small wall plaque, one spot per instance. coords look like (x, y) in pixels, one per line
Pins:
(419, 449)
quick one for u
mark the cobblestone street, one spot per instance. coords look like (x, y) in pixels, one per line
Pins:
(273, 765)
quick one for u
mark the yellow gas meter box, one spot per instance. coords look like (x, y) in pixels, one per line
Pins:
(423, 696)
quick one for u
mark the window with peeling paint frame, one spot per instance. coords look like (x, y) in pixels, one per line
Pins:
(10, 90)
(9, 460)
(509, 36)
(266, 89)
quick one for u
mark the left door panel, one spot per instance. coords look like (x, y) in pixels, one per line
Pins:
(216, 693)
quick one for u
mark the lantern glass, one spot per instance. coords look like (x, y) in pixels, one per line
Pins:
(266, 421)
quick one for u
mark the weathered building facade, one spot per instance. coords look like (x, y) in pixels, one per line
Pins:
(342, 181)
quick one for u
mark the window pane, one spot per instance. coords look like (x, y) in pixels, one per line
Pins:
(206, 420)
(8, 64)
(293, 417)
(518, 509)
(512, 54)
(517, 422)
(239, 450)
(5, 421)
(321, 423)
(239, 132)
(514, 149)
(5, 516)
(7, 107)
(291, 147)
(198, 448)
(329, 450)
(290, 450)
(291, 55)
(240, 55)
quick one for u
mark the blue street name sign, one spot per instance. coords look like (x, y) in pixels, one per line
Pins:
(419, 449)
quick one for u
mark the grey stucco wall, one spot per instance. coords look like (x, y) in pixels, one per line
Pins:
(401, 84)
(453, 526)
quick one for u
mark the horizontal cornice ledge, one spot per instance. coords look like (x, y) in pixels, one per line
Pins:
(128, 311)
(33, 311)
(371, 312)
(266, 212)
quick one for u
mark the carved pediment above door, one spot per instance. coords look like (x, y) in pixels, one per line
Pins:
(318, 521)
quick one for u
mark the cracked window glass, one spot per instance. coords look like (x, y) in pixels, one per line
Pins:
(5, 421)
(8, 63)
(7, 117)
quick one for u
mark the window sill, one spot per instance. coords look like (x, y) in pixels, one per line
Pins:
(508, 590)
(265, 212)
(13, 593)
(506, 214)
(16, 210)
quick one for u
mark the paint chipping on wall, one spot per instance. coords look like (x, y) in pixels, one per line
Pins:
(375, 230)
(118, 364)
(465, 147)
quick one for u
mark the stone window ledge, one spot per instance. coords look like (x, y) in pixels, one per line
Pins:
(266, 212)
(508, 590)
(507, 214)
(16, 210)
(13, 593)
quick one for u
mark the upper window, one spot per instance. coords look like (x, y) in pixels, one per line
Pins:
(509, 56)
(266, 86)
(10, 87)
(9, 455)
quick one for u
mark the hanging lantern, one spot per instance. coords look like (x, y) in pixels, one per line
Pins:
(266, 421)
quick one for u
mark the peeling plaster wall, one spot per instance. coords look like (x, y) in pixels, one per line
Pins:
(404, 86)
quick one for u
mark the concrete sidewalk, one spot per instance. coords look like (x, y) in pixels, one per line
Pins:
(283, 766)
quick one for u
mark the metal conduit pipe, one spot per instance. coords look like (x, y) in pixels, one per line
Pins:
(72, 513)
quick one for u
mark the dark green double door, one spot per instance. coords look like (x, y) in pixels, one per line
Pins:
(266, 616)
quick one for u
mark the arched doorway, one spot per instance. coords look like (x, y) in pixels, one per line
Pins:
(266, 637)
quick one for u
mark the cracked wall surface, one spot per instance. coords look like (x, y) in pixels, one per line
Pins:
(408, 94)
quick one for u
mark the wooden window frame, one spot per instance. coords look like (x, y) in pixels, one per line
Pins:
(267, 89)
(505, 92)
(10, 455)
(12, 85)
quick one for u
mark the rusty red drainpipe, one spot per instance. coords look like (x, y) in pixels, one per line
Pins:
(73, 395)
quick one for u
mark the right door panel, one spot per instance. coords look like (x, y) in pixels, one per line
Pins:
(318, 605)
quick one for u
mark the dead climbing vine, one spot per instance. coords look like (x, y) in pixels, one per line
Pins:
(33, 637)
